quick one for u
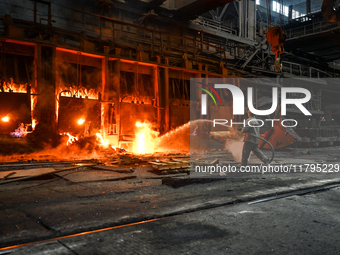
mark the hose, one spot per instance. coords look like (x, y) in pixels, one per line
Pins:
(271, 146)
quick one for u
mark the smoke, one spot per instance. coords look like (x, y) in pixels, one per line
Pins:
(175, 140)
(235, 148)
(148, 141)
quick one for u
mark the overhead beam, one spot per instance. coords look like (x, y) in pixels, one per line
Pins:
(223, 34)
(217, 15)
(199, 7)
(223, 12)
(213, 14)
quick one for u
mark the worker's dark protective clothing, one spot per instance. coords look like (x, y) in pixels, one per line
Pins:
(251, 143)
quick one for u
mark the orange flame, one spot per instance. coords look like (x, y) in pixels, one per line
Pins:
(34, 123)
(71, 138)
(79, 92)
(5, 119)
(145, 141)
(33, 104)
(103, 142)
(10, 86)
(21, 131)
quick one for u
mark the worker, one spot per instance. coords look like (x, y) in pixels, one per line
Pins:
(251, 143)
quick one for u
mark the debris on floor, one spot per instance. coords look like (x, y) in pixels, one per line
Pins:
(171, 167)
(94, 176)
(129, 160)
(23, 173)
(204, 162)
(114, 168)
(40, 174)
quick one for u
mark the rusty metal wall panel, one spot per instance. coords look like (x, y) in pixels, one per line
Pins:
(179, 113)
(131, 113)
(18, 48)
(63, 56)
(72, 109)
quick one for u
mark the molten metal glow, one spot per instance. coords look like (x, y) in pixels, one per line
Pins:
(81, 121)
(71, 138)
(145, 141)
(103, 142)
(5, 119)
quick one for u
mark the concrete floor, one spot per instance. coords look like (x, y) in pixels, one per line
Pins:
(295, 225)
(87, 199)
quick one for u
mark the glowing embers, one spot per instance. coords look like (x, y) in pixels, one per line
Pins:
(118, 149)
(145, 141)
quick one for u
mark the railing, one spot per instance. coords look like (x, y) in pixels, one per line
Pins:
(317, 73)
(299, 70)
(215, 25)
(291, 68)
(315, 27)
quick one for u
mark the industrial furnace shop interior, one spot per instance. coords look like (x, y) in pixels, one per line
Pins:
(169, 126)
(107, 78)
